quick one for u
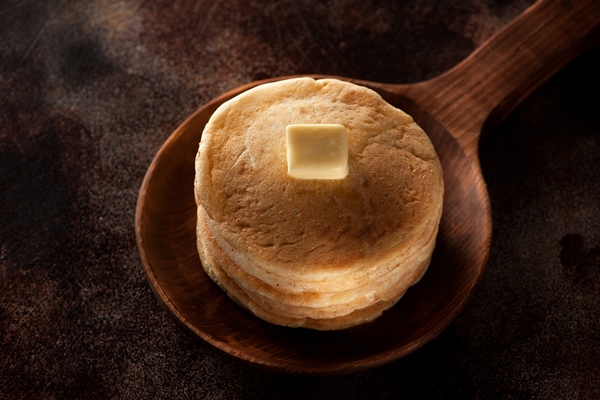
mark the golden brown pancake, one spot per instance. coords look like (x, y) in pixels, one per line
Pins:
(316, 305)
(316, 249)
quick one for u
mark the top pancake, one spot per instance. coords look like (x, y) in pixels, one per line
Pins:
(316, 230)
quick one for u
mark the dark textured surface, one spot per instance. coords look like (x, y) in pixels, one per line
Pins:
(90, 90)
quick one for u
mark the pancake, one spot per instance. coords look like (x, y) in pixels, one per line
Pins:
(316, 249)
(316, 304)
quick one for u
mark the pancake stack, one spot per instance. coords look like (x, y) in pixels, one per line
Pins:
(320, 254)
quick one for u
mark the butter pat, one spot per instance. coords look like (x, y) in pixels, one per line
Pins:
(317, 151)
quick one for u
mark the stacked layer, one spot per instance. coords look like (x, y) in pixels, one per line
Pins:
(316, 253)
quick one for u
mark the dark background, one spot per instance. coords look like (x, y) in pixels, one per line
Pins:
(89, 90)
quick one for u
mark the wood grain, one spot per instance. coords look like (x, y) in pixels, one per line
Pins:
(453, 109)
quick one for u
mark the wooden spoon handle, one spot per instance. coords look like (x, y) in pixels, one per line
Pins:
(483, 89)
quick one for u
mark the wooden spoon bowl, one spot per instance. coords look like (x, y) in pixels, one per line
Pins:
(453, 109)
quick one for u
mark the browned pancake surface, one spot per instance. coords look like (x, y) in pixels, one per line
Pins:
(310, 230)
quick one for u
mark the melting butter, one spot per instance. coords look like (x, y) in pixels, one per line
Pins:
(317, 151)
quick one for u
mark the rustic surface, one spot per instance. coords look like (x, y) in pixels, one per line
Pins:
(90, 90)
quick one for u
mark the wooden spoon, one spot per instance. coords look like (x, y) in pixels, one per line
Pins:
(454, 109)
